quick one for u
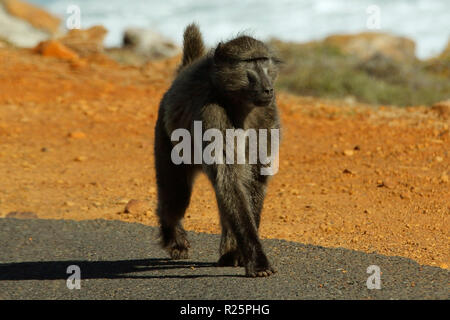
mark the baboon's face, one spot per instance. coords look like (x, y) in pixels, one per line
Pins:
(261, 76)
(246, 71)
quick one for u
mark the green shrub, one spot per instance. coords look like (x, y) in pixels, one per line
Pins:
(317, 69)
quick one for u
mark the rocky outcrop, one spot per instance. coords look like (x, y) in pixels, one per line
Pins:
(3, 43)
(446, 52)
(442, 108)
(441, 63)
(85, 41)
(37, 17)
(368, 44)
(149, 43)
(53, 48)
(25, 25)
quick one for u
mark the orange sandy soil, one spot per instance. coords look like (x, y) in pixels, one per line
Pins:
(76, 142)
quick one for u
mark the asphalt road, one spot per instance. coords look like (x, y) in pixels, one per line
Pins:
(121, 260)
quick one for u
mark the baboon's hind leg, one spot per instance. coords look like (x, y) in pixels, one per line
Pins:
(174, 192)
(173, 200)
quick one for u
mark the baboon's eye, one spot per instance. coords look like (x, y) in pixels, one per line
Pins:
(277, 61)
(256, 59)
(252, 76)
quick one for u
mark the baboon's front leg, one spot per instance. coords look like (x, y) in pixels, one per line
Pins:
(236, 210)
(230, 255)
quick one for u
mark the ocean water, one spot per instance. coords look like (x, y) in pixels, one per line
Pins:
(427, 22)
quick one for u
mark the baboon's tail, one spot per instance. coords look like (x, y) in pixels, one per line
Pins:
(193, 47)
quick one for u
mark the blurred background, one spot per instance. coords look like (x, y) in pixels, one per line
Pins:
(427, 22)
(364, 98)
(376, 52)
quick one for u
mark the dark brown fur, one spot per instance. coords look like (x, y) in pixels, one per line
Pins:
(193, 47)
(228, 88)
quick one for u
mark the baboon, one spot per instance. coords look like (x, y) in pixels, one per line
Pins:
(228, 87)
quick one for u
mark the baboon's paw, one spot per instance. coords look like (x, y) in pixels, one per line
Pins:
(179, 250)
(259, 273)
(230, 259)
(177, 253)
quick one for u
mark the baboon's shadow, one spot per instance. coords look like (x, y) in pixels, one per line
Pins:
(121, 269)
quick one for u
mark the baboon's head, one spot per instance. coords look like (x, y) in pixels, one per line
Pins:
(245, 70)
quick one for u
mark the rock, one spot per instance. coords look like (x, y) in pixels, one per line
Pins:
(444, 177)
(18, 32)
(53, 48)
(386, 183)
(405, 196)
(348, 152)
(149, 43)
(136, 206)
(122, 201)
(35, 16)
(77, 135)
(22, 215)
(441, 63)
(81, 158)
(78, 64)
(442, 108)
(85, 42)
(379, 65)
(445, 54)
(367, 44)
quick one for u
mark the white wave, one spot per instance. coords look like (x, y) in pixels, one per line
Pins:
(425, 21)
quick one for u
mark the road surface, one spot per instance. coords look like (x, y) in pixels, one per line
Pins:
(119, 260)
